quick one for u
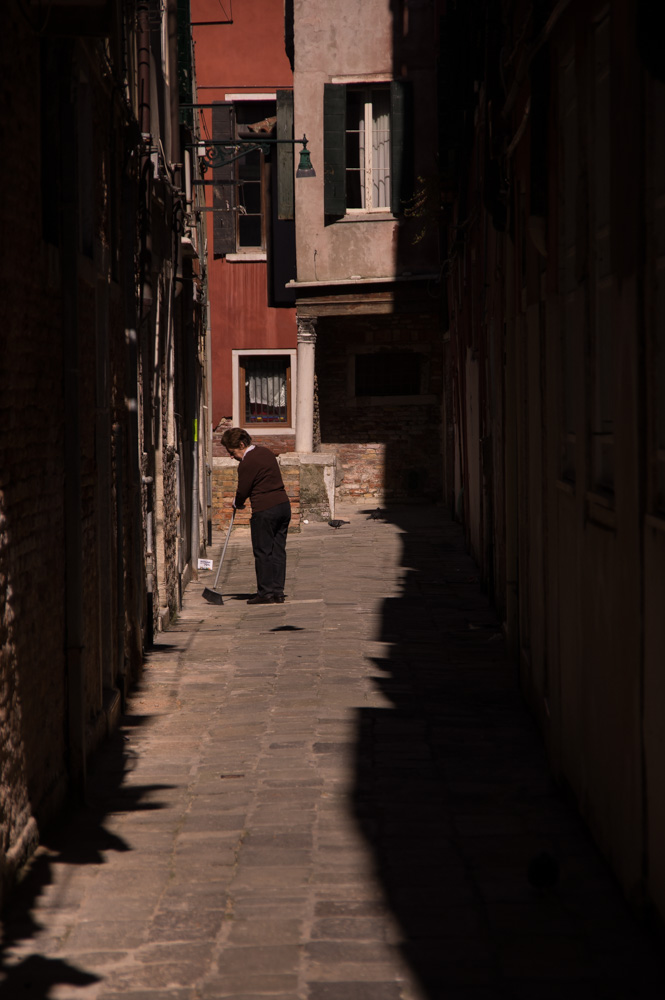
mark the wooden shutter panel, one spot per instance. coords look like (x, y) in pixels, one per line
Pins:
(223, 191)
(285, 199)
(401, 145)
(334, 148)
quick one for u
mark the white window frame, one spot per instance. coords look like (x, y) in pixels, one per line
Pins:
(265, 429)
(369, 208)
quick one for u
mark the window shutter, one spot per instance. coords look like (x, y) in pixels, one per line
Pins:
(223, 178)
(285, 206)
(401, 145)
(281, 246)
(334, 148)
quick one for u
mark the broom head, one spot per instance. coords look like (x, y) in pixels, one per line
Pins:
(212, 597)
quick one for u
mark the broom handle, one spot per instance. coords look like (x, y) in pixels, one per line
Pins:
(228, 535)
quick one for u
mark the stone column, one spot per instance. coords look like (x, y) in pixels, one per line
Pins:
(305, 390)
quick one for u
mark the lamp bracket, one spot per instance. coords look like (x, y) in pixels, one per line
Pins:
(215, 156)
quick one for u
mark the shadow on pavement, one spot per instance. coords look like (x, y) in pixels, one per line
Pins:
(454, 795)
(80, 837)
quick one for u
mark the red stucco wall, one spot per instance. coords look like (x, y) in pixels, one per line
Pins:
(247, 56)
(241, 319)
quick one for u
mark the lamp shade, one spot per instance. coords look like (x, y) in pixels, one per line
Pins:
(305, 168)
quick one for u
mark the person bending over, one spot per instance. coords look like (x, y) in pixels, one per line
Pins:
(260, 479)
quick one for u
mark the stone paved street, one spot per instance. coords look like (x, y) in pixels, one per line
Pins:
(332, 799)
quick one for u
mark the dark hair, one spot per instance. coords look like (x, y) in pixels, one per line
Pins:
(236, 437)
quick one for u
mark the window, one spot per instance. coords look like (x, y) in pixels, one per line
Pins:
(252, 118)
(368, 149)
(264, 389)
(397, 373)
(365, 142)
(240, 187)
(250, 219)
(265, 397)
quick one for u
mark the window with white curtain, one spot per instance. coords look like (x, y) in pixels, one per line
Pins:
(265, 390)
(368, 149)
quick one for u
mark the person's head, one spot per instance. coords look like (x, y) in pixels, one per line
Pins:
(236, 441)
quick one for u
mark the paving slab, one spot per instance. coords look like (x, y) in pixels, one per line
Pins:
(336, 798)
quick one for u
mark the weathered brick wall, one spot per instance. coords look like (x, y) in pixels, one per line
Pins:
(171, 597)
(34, 735)
(92, 680)
(291, 479)
(278, 443)
(224, 485)
(388, 449)
(32, 683)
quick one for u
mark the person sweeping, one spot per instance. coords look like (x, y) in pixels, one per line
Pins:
(260, 480)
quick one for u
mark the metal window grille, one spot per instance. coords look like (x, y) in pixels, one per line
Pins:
(267, 390)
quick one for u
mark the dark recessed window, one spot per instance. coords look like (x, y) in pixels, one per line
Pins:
(250, 214)
(388, 374)
(253, 118)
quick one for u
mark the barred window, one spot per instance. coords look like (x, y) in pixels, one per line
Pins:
(265, 389)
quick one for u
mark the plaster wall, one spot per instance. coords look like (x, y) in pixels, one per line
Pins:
(355, 42)
(249, 53)
(589, 583)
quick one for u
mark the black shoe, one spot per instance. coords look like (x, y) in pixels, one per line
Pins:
(279, 598)
(261, 599)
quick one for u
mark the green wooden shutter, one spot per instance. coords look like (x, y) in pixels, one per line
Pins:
(401, 145)
(223, 191)
(285, 199)
(334, 148)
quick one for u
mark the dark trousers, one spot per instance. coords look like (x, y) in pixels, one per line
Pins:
(269, 529)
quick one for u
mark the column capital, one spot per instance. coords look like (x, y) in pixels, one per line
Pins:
(306, 330)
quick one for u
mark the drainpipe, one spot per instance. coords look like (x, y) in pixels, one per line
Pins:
(150, 566)
(195, 544)
(189, 324)
(208, 377)
(209, 505)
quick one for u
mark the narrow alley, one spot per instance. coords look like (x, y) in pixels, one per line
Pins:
(338, 798)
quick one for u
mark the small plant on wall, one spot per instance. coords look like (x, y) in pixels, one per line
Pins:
(426, 205)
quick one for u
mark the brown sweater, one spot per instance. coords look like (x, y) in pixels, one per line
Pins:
(260, 479)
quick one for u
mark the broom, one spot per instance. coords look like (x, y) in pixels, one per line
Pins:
(210, 593)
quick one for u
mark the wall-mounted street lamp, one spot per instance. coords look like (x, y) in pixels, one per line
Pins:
(221, 152)
(305, 168)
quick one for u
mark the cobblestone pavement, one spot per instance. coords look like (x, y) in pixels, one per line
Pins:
(332, 799)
